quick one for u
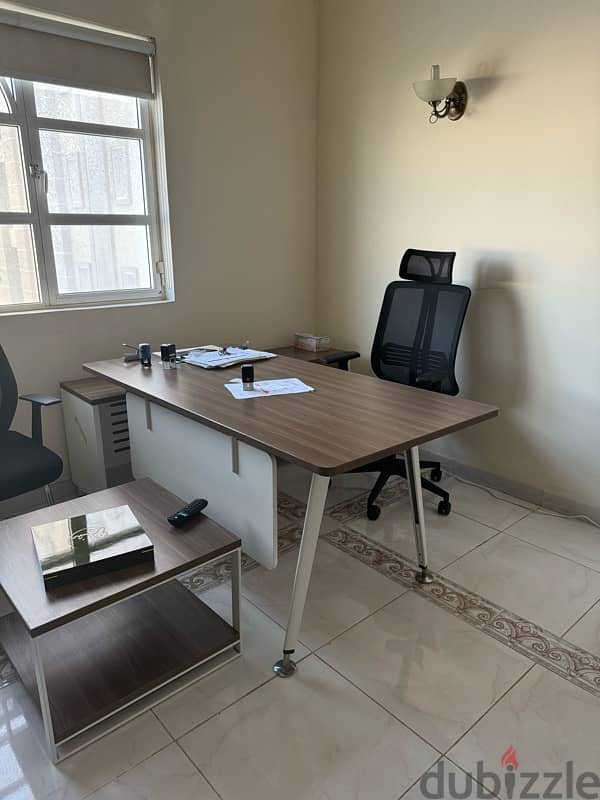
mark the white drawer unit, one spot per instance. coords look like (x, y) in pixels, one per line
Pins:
(95, 414)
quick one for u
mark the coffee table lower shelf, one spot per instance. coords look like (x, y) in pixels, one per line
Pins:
(106, 661)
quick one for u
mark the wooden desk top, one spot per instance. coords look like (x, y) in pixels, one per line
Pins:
(93, 390)
(348, 421)
(175, 551)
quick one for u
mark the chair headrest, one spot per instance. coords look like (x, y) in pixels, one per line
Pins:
(427, 266)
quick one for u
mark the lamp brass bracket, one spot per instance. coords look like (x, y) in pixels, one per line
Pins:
(458, 101)
(454, 105)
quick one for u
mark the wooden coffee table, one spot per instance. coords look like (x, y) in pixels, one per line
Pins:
(89, 650)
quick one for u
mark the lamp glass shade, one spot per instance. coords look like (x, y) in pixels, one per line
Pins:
(434, 91)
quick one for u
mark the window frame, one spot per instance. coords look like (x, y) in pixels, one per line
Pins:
(23, 116)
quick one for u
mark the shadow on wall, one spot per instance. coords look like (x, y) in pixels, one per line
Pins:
(495, 367)
(493, 346)
(485, 79)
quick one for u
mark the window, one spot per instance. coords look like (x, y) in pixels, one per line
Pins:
(78, 219)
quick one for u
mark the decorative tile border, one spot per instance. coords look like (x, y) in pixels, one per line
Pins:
(541, 646)
(201, 580)
(393, 491)
(216, 573)
(290, 507)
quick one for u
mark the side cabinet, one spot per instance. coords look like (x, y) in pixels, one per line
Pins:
(97, 432)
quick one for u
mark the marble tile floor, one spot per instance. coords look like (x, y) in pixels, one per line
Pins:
(456, 689)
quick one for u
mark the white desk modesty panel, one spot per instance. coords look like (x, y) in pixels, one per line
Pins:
(193, 460)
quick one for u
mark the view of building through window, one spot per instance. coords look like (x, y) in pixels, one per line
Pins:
(79, 217)
(18, 273)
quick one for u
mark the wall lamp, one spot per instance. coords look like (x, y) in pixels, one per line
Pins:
(449, 91)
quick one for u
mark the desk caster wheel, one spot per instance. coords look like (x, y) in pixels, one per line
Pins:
(373, 512)
(444, 507)
(436, 475)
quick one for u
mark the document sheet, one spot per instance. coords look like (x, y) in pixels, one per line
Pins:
(232, 355)
(268, 388)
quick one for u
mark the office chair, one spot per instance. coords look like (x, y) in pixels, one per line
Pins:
(415, 344)
(25, 464)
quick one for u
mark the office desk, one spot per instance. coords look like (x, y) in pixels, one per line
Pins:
(348, 421)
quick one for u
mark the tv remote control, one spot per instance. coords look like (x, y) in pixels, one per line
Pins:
(187, 512)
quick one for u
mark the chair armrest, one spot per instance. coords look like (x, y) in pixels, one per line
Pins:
(338, 358)
(37, 402)
(41, 399)
(432, 380)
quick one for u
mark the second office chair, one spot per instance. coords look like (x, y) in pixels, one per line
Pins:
(25, 463)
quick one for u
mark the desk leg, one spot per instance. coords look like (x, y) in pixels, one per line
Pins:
(310, 536)
(413, 473)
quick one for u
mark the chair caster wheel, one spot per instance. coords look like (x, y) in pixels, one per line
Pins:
(436, 475)
(444, 507)
(373, 512)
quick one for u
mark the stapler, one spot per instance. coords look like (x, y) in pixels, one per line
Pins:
(135, 356)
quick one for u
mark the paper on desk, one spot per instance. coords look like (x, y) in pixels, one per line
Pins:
(183, 351)
(268, 388)
(234, 355)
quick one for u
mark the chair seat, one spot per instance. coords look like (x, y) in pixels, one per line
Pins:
(25, 465)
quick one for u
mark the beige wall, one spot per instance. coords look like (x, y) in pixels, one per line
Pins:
(514, 188)
(239, 85)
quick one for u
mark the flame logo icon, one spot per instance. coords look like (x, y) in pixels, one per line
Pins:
(509, 758)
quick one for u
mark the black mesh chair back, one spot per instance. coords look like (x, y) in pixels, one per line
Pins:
(9, 395)
(25, 464)
(418, 333)
(427, 266)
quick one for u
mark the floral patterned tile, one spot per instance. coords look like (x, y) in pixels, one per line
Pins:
(543, 647)
(540, 645)
(357, 506)
(289, 506)
(219, 571)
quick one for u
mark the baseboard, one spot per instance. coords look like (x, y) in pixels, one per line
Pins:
(553, 502)
(62, 490)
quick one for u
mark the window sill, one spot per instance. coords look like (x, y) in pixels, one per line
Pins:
(99, 307)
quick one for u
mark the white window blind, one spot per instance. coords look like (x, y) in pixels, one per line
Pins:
(80, 203)
(34, 48)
